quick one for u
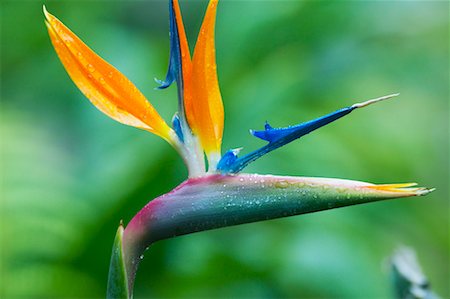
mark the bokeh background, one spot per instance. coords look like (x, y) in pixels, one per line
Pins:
(69, 174)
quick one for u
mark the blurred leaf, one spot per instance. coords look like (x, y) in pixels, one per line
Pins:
(69, 174)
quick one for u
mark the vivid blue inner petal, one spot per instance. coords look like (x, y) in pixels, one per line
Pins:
(177, 127)
(228, 159)
(277, 137)
(174, 70)
(175, 73)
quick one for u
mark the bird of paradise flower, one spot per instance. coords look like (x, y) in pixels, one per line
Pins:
(216, 194)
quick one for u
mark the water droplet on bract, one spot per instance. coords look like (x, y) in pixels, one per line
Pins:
(90, 68)
(282, 184)
(110, 74)
(241, 179)
(141, 256)
(101, 80)
(79, 55)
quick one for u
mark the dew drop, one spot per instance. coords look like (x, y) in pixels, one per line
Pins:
(90, 68)
(282, 184)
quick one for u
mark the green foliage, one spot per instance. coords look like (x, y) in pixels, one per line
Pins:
(69, 174)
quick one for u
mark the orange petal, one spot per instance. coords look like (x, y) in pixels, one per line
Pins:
(206, 117)
(185, 54)
(108, 89)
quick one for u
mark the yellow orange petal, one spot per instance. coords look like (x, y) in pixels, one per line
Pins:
(108, 89)
(185, 54)
(206, 117)
(403, 189)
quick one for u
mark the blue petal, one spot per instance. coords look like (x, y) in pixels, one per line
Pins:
(228, 159)
(174, 72)
(277, 137)
(273, 135)
(176, 124)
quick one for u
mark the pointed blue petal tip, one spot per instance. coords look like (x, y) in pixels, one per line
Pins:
(264, 135)
(163, 84)
(174, 69)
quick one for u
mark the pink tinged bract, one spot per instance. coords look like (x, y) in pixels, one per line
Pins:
(216, 201)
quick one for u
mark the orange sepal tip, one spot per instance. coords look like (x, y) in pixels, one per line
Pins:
(403, 189)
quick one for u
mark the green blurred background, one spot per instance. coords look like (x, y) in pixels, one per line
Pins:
(69, 174)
